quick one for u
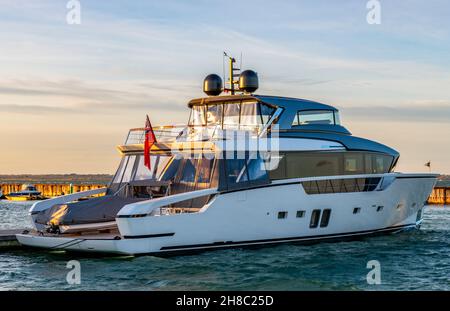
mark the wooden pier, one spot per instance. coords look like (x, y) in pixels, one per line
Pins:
(49, 190)
(441, 193)
(8, 239)
(54, 185)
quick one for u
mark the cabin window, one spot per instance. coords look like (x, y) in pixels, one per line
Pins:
(171, 170)
(246, 115)
(325, 218)
(127, 174)
(315, 215)
(231, 116)
(157, 164)
(197, 116)
(310, 164)
(214, 114)
(189, 170)
(236, 171)
(142, 172)
(282, 215)
(353, 163)
(300, 214)
(382, 163)
(356, 210)
(249, 116)
(276, 165)
(266, 113)
(337, 118)
(243, 173)
(313, 164)
(119, 174)
(256, 170)
(313, 117)
(204, 171)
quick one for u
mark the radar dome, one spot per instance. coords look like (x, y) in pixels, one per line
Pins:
(212, 85)
(248, 81)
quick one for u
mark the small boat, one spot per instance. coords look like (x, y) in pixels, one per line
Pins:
(27, 193)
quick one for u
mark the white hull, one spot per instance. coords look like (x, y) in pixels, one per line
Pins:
(250, 217)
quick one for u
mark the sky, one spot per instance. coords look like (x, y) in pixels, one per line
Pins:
(70, 92)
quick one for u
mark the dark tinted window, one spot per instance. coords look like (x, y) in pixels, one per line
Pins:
(236, 171)
(189, 171)
(244, 173)
(314, 218)
(266, 113)
(309, 164)
(300, 214)
(282, 215)
(204, 170)
(325, 218)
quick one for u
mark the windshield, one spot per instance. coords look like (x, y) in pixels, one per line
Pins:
(133, 171)
(251, 116)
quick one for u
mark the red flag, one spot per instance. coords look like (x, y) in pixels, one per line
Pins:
(150, 139)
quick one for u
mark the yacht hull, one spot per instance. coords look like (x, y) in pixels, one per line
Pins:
(252, 218)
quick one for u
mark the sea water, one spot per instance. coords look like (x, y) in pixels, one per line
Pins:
(414, 260)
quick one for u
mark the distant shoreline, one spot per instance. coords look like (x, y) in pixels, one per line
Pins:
(56, 178)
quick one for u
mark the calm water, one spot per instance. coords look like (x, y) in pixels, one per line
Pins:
(417, 260)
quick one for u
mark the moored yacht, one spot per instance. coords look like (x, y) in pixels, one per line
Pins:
(246, 170)
(26, 193)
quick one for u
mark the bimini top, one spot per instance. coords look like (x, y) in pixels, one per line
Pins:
(303, 119)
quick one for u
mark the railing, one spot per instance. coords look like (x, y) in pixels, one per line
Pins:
(165, 133)
(170, 133)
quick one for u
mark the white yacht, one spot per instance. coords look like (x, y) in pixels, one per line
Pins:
(308, 179)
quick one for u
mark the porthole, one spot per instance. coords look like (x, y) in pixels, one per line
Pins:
(300, 214)
(282, 215)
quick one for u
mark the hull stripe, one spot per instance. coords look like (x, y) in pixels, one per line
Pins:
(288, 239)
(146, 236)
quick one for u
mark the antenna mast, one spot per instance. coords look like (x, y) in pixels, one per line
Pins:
(231, 80)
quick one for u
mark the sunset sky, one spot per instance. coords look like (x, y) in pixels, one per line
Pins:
(69, 93)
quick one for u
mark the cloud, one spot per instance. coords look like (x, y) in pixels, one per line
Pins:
(74, 96)
(437, 111)
(35, 109)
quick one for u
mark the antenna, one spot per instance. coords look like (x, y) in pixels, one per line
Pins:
(231, 71)
(240, 61)
(223, 69)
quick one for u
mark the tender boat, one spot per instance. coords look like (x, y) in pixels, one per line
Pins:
(27, 193)
(247, 170)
